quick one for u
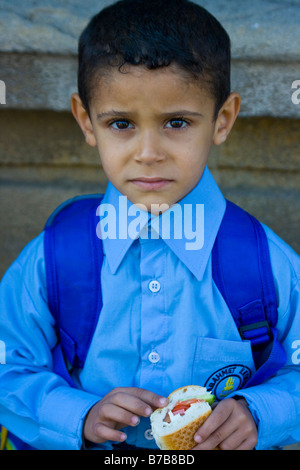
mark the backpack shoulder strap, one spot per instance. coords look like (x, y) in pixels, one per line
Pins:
(73, 258)
(242, 272)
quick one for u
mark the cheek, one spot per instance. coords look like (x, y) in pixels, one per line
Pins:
(198, 143)
(194, 160)
(107, 155)
(111, 169)
(194, 174)
(192, 168)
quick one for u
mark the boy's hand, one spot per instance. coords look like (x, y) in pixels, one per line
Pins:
(230, 426)
(119, 408)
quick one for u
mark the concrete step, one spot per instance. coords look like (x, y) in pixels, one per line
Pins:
(38, 47)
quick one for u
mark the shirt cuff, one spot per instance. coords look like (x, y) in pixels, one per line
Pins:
(62, 417)
(273, 412)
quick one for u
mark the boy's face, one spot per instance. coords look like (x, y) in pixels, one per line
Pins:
(153, 130)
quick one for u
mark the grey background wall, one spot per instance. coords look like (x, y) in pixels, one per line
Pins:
(44, 159)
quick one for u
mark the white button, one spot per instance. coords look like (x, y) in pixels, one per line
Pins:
(154, 357)
(148, 435)
(154, 286)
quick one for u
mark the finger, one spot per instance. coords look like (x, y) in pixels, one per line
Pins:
(119, 415)
(247, 444)
(131, 403)
(233, 442)
(104, 433)
(213, 424)
(219, 436)
(151, 398)
(138, 401)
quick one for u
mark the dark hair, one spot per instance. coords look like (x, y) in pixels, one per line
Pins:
(156, 33)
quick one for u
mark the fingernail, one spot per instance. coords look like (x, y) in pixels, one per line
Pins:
(163, 401)
(198, 438)
(123, 437)
(135, 420)
(148, 411)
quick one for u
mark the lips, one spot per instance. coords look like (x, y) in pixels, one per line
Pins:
(151, 183)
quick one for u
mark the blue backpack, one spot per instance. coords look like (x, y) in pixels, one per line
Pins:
(241, 270)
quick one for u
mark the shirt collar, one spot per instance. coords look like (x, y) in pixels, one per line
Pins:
(199, 214)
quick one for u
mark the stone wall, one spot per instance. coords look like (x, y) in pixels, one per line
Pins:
(44, 159)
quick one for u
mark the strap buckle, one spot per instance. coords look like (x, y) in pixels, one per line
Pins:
(257, 333)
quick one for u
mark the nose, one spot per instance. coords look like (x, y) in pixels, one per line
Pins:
(149, 149)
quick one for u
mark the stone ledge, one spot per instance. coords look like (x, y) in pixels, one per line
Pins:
(258, 30)
(54, 139)
(39, 45)
(42, 81)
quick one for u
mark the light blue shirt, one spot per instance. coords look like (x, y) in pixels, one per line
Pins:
(163, 325)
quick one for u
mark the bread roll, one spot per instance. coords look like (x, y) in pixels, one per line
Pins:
(176, 431)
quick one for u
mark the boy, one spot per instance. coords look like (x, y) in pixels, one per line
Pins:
(154, 96)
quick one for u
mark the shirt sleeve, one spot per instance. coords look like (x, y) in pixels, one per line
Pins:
(36, 405)
(275, 404)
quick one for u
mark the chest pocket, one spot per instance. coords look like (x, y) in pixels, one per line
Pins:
(222, 366)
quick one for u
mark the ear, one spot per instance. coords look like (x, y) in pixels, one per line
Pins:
(82, 117)
(226, 118)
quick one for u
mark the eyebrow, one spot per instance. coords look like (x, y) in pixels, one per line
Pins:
(112, 113)
(182, 112)
(115, 113)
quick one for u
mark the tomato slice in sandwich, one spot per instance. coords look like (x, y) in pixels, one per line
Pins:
(182, 406)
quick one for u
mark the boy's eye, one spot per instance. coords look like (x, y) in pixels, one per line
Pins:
(177, 124)
(121, 125)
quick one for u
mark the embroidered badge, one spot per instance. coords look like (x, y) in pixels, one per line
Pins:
(227, 380)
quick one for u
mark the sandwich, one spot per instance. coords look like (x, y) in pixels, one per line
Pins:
(174, 426)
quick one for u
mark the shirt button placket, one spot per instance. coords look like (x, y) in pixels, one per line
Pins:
(154, 357)
(154, 286)
(152, 312)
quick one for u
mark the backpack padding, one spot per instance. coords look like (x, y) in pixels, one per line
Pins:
(241, 266)
(242, 271)
(73, 257)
